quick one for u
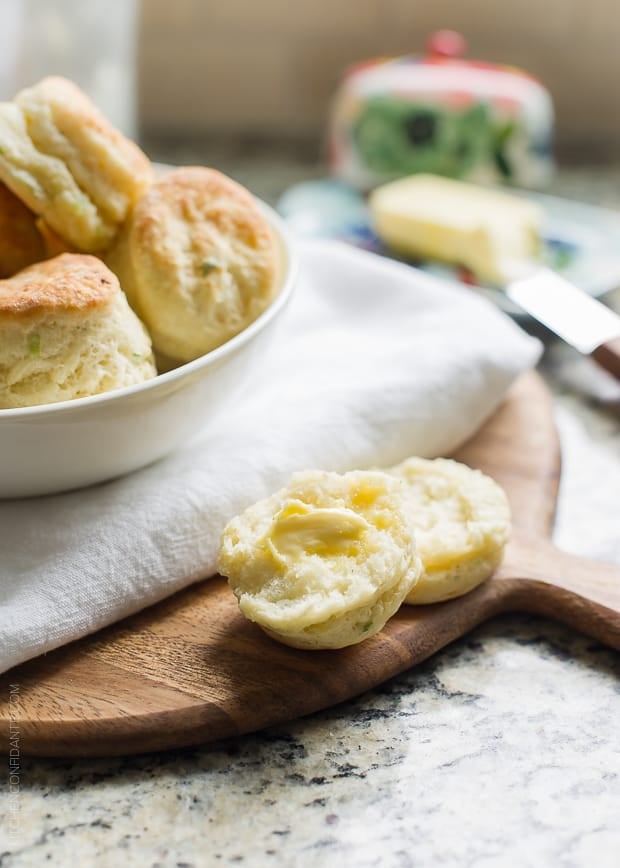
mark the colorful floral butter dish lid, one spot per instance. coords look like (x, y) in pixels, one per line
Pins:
(442, 114)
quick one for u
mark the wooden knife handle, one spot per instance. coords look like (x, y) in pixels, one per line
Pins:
(608, 356)
(583, 593)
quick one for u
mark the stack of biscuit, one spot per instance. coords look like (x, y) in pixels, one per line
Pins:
(194, 254)
(328, 559)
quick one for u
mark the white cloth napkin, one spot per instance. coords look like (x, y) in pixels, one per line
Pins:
(374, 361)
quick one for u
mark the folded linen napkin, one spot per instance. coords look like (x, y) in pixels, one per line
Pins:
(373, 361)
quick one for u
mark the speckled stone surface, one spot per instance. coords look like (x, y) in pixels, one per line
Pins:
(503, 750)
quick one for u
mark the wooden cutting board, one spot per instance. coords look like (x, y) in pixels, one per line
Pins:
(191, 669)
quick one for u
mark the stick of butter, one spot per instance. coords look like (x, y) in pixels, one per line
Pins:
(430, 217)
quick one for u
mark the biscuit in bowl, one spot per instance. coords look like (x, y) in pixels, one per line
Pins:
(325, 561)
(67, 331)
(53, 244)
(197, 260)
(461, 519)
(66, 162)
(21, 243)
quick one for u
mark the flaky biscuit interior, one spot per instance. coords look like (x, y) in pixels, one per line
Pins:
(462, 523)
(325, 561)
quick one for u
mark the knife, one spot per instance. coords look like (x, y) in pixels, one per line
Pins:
(584, 323)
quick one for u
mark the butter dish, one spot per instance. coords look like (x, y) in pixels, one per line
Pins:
(439, 112)
(581, 242)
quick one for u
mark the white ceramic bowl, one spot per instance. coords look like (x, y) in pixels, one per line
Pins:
(56, 447)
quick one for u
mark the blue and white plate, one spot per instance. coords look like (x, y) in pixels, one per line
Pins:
(581, 242)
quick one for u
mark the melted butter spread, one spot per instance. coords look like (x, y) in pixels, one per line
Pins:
(299, 530)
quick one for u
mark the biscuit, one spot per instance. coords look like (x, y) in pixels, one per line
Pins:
(63, 159)
(67, 331)
(461, 520)
(325, 561)
(197, 260)
(21, 243)
(53, 244)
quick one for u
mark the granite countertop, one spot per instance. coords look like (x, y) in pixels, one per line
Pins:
(502, 750)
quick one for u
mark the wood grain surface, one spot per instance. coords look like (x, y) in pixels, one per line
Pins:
(608, 356)
(191, 669)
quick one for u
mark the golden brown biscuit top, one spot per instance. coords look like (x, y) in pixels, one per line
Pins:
(203, 198)
(74, 113)
(69, 282)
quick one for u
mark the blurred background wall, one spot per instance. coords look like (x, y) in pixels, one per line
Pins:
(268, 67)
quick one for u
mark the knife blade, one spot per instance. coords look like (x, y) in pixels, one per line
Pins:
(580, 320)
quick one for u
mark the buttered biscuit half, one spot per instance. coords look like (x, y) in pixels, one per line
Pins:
(197, 260)
(68, 164)
(462, 523)
(67, 331)
(325, 561)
